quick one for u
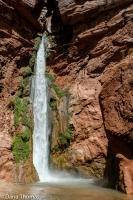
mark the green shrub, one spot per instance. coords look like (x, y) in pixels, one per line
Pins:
(26, 71)
(25, 120)
(21, 87)
(63, 140)
(52, 103)
(50, 44)
(55, 148)
(32, 60)
(51, 40)
(20, 78)
(17, 110)
(26, 82)
(25, 135)
(68, 132)
(21, 109)
(60, 93)
(37, 43)
(66, 137)
(50, 76)
(20, 149)
(34, 53)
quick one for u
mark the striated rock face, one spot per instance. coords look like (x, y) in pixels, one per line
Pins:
(19, 23)
(117, 103)
(91, 55)
(73, 12)
(93, 58)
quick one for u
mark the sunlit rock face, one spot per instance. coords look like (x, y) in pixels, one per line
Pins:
(93, 58)
(73, 12)
(18, 28)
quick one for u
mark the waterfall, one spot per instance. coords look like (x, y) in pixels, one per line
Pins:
(42, 130)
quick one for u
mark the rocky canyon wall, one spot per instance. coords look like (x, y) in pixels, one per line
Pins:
(89, 67)
(92, 58)
(19, 25)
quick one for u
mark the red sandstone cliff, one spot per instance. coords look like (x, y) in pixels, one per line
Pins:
(92, 56)
(19, 24)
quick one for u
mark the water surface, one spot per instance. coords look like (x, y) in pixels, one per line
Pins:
(79, 190)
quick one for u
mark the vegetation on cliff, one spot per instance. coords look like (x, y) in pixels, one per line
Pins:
(62, 129)
(34, 53)
(21, 146)
(23, 117)
(60, 93)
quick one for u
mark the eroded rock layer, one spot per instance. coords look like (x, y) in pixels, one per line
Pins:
(18, 28)
(92, 56)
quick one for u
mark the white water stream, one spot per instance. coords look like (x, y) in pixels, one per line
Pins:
(40, 107)
(42, 128)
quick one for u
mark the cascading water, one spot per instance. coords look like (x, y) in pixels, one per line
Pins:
(42, 130)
